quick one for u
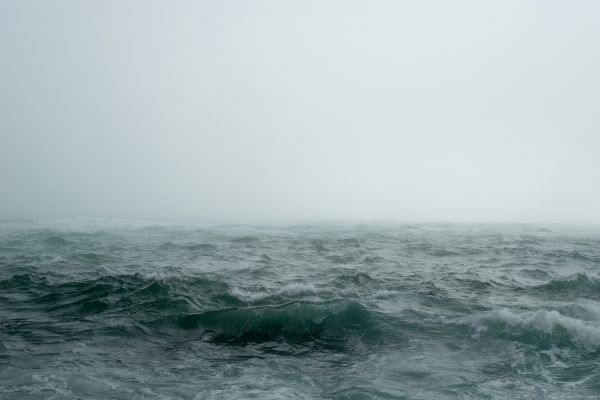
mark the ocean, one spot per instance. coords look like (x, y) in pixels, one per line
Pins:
(105, 309)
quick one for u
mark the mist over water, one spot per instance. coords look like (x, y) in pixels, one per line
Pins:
(278, 111)
(92, 309)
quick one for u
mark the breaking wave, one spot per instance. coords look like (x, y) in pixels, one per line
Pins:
(544, 329)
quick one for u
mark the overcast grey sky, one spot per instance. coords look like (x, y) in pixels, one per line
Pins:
(263, 111)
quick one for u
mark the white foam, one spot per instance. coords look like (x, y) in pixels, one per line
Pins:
(160, 276)
(297, 288)
(382, 294)
(57, 259)
(245, 295)
(291, 289)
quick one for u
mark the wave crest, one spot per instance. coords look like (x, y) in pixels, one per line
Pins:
(541, 328)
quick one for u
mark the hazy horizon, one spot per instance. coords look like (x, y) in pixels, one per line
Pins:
(280, 111)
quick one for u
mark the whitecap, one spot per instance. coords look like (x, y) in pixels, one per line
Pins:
(291, 289)
(248, 296)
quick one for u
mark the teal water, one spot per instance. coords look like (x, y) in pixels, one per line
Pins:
(115, 310)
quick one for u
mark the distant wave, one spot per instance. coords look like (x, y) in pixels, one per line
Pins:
(583, 283)
(540, 328)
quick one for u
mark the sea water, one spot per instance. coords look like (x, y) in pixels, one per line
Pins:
(134, 310)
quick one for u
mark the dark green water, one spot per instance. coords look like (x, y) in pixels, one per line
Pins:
(108, 310)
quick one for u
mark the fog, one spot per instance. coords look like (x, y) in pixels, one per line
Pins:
(271, 111)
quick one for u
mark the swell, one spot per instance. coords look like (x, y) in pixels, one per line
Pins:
(118, 294)
(293, 313)
(291, 322)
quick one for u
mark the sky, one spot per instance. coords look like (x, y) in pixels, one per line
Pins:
(271, 111)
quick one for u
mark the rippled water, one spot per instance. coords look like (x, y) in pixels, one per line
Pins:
(97, 309)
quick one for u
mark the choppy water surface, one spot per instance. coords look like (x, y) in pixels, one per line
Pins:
(109, 310)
